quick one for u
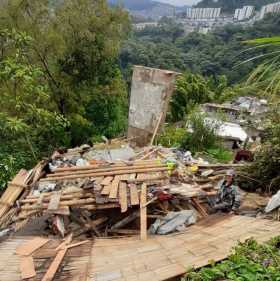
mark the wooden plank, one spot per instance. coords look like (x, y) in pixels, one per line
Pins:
(31, 246)
(114, 189)
(98, 180)
(150, 153)
(123, 196)
(134, 198)
(227, 166)
(49, 275)
(104, 170)
(125, 221)
(40, 199)
(143, 212)
(27, 267)
(54, 201)
(64, 211)
(134, 170)
(107, 181)
(199, 207)
(13, 191)
(77, 244)
(115, 164)
(127, 177)
(124, 231)
(65, 242)
(156, 128)
(106, 189)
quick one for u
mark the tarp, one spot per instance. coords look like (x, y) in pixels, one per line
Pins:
(173, 221)
(273, 203)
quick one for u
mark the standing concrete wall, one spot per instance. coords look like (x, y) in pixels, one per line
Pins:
(150, 95)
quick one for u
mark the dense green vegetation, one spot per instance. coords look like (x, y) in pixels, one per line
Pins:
(213, 54)
(59, 77)
(229, 6)
(249, 261)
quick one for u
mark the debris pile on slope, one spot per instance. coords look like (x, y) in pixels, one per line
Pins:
(97, 192)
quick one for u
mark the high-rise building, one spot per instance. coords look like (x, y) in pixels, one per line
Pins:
(245, 13)
(203, 13)
(270, 8)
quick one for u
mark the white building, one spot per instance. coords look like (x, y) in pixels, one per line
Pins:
(270, 8)
(203, 13)
(245, 13)
(143, 25)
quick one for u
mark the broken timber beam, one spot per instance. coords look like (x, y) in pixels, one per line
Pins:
(89, 175)
(206, 166)
(143, 212)
(110, 169)
(98, 171)
(125, 221)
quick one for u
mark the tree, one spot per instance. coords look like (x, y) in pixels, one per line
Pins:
(58, 65)
(192, 90)
(29, 128)
(76, 45)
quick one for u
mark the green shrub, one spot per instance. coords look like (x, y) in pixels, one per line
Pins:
(172, 136)
(265, 168)
(220, 154)
(202, 136)
(249, 261)
(10, 164)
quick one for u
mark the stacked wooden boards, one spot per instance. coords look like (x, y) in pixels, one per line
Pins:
(113, 186)
(119, 184)
(13, 191)
(115, 169)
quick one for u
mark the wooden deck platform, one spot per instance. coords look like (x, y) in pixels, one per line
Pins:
(164, 257)
(158, 258)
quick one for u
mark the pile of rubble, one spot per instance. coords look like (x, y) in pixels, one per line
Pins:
(102, 191)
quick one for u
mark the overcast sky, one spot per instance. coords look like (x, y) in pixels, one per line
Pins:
(180, 2)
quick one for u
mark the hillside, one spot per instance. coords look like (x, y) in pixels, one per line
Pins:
(229, 6)
(148, 8)
(135, 5)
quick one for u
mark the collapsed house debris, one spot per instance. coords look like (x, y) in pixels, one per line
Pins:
(229, 132)
(245, 112)
(103, 198)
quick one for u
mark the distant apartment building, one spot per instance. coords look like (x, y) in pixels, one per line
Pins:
(143, 25)
(203, 13)
(270, 8)
(244, 13)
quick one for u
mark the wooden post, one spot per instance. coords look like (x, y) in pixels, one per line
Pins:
(143, 212)
(156, 128)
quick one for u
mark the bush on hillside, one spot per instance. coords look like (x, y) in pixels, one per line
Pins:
(249, 261)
